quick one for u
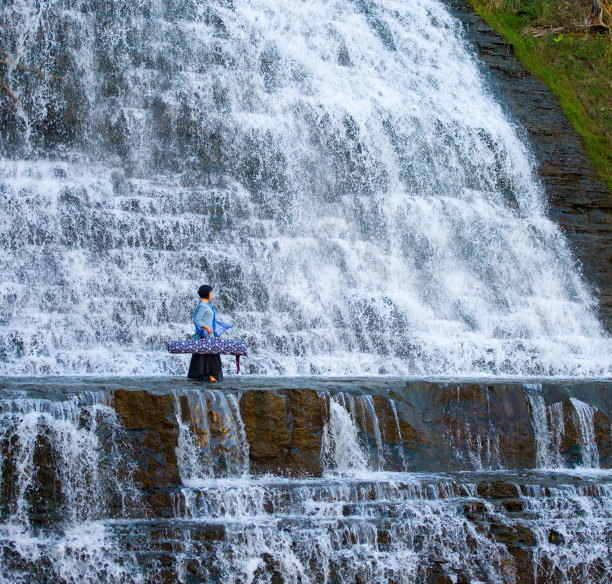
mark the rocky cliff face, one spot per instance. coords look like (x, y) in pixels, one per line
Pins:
(578, 200)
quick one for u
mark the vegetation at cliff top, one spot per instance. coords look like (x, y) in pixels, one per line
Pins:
(551, 38)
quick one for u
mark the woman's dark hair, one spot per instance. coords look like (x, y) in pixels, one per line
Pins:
(204, 291)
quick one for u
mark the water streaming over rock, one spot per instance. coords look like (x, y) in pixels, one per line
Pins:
(345, 446)
(473, 435)
(583, 415)
(340, 448)
(550, 426)
(212, 441)
(65, 471)
(337, 170)
(78, 503)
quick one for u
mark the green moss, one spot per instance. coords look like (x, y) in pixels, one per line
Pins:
(576, 66)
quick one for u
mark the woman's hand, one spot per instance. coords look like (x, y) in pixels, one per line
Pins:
(208, 329)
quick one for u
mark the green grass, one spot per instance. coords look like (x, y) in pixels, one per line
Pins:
(575, 64)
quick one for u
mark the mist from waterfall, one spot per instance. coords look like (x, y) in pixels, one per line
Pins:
(338, 171)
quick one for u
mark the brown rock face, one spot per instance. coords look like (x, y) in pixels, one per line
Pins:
(284, 431)
(150, 423)
(486, 420)
(423, 426)
(603, 437)
(578, 200)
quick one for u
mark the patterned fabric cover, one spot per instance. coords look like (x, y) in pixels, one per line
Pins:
(209, 346)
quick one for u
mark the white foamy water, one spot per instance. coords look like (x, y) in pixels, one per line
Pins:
(548, 424)
(337, 171)
(355, 523)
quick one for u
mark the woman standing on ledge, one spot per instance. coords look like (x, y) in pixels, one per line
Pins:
(204, 365)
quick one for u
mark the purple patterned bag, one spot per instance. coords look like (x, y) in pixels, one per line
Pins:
(211, 346)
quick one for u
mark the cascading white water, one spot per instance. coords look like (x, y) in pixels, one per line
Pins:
(64, 470)
(562, 519)
(337, 170)
(549, 428)
(541, 431)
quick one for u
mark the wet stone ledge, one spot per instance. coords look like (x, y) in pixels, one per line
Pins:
(279, 426)
(417, 426)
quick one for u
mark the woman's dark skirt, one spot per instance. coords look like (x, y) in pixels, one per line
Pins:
(202, 366)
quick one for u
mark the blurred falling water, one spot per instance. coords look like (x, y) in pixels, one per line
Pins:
(337, 170)
(64, 469)
(70, 510)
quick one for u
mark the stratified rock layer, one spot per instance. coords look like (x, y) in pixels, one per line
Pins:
(424, 426)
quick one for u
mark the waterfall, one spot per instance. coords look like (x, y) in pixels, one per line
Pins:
(542, 432)
(73, 507)
(551, 514)
(399, 435)
(211, 440)
(338, 171)
(554, 416)
(64, 468)
(74, 447)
